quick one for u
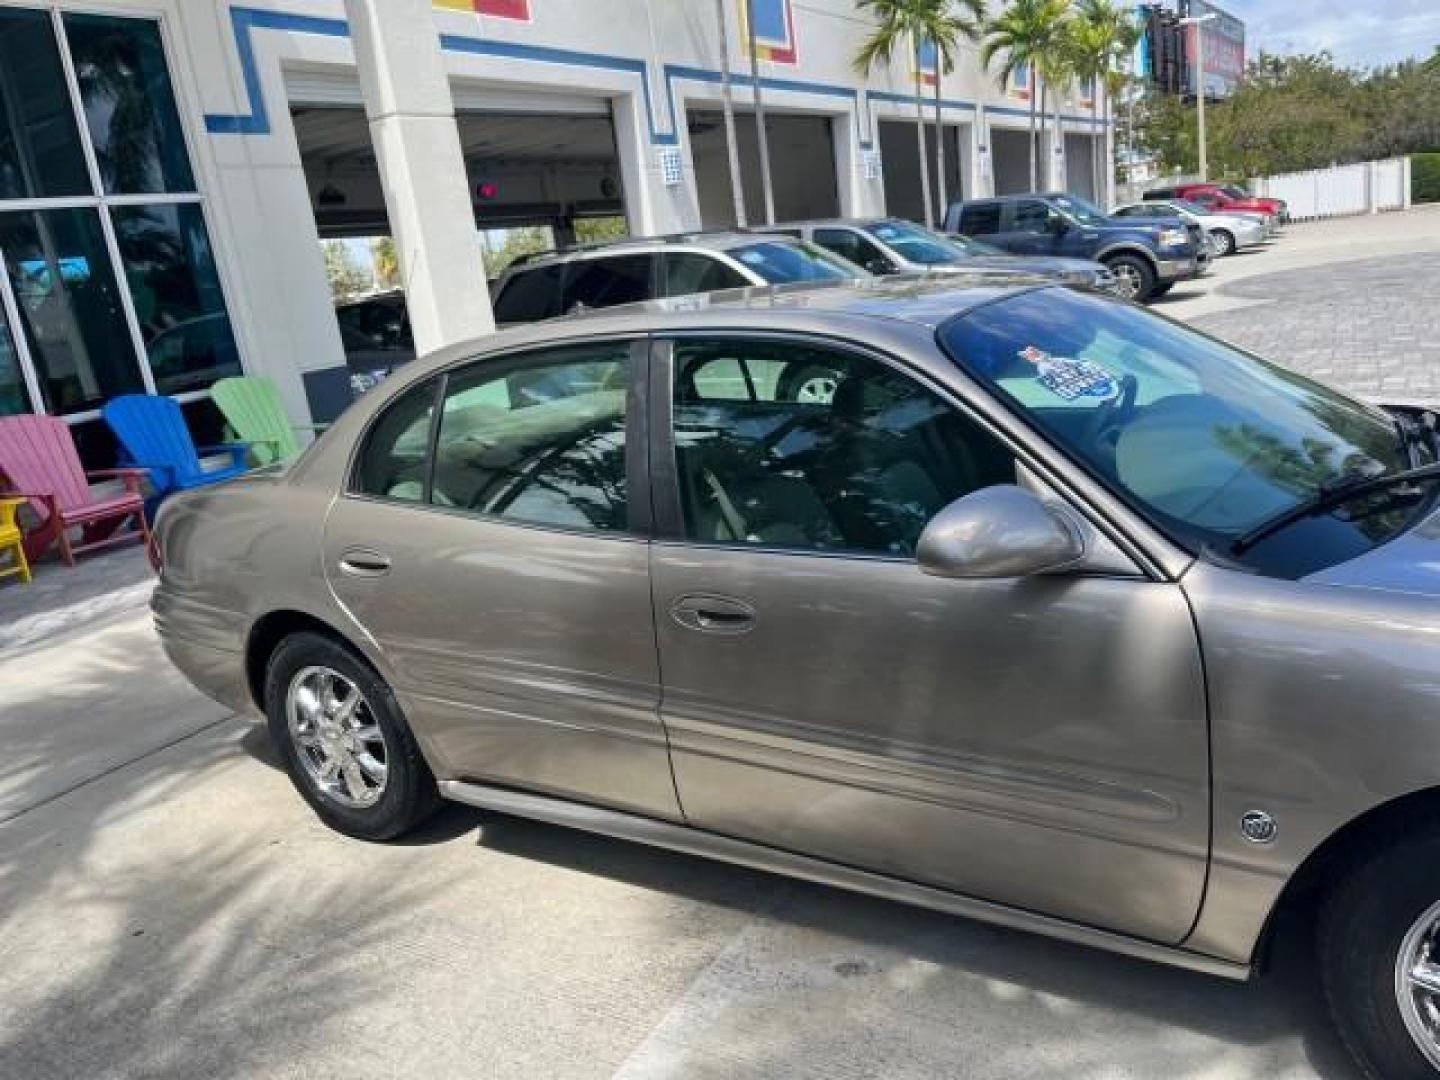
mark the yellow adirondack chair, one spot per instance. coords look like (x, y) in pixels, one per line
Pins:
(251, 406)
(11, 540)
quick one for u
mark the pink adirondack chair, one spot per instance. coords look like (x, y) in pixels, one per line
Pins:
(38, 462)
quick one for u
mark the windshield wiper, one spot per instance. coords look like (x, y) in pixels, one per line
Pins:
(1329, 497)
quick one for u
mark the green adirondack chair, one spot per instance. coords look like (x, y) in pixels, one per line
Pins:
(251, 406)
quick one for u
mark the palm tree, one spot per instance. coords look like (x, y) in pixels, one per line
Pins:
(946, 31)
(1117, 78)
(727, 99)
(1097, 41)
(1058, 75)
(762, 132)
(904, 24)
(1026, 34)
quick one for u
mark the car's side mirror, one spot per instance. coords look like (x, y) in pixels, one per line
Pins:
(999, 532)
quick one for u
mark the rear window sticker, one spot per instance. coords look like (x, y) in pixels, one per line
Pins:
(1069, 378)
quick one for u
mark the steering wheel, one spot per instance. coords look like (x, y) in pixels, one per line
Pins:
(1113, 414)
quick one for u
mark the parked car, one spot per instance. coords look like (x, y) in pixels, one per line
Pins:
(375, 333)
(1227, 233)
(1147, 258)
(892, 246)
(1056, 614)
(629, 271)
(1224, 198)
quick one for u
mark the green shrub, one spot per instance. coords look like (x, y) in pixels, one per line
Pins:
(1425, 178)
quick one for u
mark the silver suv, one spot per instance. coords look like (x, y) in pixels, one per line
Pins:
(626, 272)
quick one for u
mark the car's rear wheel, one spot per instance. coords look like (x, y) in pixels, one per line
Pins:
(1134, 279)
(344, 741)
(1224, 242)
(1380, 958)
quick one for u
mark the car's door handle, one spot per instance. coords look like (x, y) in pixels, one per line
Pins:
(364, 562)
(713, 614)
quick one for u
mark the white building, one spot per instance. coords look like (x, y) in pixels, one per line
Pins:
(169, 167)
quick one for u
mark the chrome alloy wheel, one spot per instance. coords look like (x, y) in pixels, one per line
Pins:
(1127, 281)
(336, 737)
(1417, 983)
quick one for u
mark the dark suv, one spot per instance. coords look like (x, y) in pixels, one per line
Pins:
(1147, 257)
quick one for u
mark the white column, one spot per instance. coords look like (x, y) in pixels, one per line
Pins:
(859, 197)
(422, 169)
(982, 156)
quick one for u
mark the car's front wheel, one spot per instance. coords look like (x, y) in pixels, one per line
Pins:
(1223, 241)
(1134, 278)
(344, 741)
(1380, 958)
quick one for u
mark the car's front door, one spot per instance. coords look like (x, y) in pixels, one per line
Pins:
(1038, 742)
(1027, 228)
(491, 547)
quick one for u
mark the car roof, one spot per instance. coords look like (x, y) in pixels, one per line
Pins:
(838, 222)
(718, 240)
(918, 301)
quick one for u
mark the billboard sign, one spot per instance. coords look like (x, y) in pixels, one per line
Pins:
(1224, 49)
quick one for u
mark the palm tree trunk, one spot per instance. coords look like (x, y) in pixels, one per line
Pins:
(1097, 185)
(762, 133)
(941, 193)
(727, 97)
(1034, 150)
(1041, 148)
(920, 143)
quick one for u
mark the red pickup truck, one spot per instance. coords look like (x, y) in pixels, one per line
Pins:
(1224, 198)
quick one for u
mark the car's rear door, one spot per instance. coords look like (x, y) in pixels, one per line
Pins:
(1039, 742)
(493, 544)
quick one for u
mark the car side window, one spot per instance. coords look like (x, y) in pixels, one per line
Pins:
(530, 295)
(607, 281)
(538, 439)
(779, 444)
(1030, 216)
(393, 460)
(982, 220)
(849, 244)
(687, 272)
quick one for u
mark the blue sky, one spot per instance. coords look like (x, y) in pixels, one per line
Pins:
(1357, 31)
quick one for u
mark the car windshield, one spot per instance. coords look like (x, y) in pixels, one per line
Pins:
(1204, 441)
(971, 246)
(781, 263)
(1191, 207)
(1082, 211)
(917, 244)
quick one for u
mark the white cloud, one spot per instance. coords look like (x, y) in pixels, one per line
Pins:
(1357, 32)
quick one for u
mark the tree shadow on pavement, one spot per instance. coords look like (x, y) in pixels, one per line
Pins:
(1065, 998)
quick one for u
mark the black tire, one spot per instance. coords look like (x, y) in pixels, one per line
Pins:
(1161, 290)
(1224, 241)
(1363, 924)
(409, 794)
(1138, 271)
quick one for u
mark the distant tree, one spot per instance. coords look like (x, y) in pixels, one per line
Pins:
(346, 276)
(386, 263)
(527, 240)
(596, 230)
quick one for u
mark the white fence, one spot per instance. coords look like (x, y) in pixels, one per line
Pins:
(1367, 188)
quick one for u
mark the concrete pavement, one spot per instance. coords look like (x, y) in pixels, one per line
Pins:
(170, 909)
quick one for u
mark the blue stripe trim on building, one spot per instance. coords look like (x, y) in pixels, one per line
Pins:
(244, 21)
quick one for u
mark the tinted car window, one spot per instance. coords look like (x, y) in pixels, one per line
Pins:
(688, 272)
(849, 244)
(1206, 442)
(1029, 215)
(392, 460)
(538, 440)
(605, 282)
(982, 220)
(530, 294)
(779, 445)
(781, 264)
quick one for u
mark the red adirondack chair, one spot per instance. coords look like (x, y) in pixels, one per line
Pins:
(38, 461)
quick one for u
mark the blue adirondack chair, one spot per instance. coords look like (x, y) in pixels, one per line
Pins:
(152, 432)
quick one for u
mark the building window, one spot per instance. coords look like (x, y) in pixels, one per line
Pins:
(110, 285)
